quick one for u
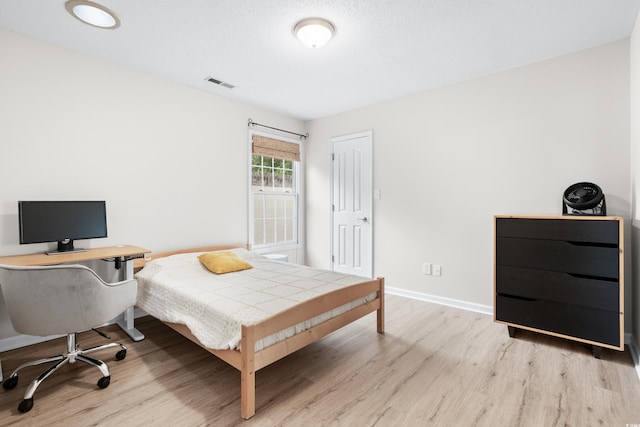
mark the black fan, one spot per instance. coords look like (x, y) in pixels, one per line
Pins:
(584, 198)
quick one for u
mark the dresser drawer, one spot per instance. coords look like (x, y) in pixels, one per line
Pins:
(561, 256)
(558, 287)
(586, 231)
(580, 322)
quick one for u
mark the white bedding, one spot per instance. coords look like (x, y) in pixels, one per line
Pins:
(179, 289)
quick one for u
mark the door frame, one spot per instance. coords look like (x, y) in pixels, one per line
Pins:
(334, 140)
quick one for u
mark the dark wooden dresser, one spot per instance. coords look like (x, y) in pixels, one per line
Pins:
(561, 275)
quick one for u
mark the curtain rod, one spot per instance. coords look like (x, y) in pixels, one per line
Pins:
(252, 123)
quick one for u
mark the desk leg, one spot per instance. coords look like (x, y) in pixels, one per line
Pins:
(126, 320)
(126, 323)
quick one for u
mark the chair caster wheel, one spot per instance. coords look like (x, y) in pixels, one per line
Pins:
(121, 354)
(25, 405)
(104, 382)
(10, 383)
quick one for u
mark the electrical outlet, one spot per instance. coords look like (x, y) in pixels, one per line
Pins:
(437, 270)
(426, 268)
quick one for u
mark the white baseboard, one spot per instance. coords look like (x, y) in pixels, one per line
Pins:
(465, 305)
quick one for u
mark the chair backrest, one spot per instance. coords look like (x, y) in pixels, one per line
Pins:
(62, 299)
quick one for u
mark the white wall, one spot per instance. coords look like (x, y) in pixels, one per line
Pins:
(170, 161)
(635, 176)
(447, 160)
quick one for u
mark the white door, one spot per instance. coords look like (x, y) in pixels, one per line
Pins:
(352, 221)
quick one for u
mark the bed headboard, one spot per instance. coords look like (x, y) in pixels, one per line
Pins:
(139, 263)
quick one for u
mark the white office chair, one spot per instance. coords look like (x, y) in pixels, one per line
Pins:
(62, 299)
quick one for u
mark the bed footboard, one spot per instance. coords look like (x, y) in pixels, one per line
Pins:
(252, 361)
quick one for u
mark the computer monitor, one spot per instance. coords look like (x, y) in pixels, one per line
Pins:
(62, 222)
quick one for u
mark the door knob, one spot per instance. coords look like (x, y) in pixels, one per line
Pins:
(364, 219)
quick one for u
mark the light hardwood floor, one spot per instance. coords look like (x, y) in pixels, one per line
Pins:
(435, 366)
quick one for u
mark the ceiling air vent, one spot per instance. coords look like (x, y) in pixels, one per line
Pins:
(219, 83)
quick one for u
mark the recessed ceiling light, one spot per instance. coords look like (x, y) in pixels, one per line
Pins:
(93, 14)
(314, 32)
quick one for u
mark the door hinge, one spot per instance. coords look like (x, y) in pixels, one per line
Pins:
(333, 156)
(333, 259)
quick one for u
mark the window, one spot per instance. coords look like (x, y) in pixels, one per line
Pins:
(274, 203)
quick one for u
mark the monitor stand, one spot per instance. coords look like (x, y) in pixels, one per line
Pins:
(65, 247)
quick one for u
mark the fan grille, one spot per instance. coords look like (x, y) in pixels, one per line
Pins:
(584, 198)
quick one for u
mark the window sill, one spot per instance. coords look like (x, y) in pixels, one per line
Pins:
(274, 248)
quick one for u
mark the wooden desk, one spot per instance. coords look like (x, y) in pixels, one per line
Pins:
(127, 251)
(123, 254)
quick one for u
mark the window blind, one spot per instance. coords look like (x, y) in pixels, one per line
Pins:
(270, 147)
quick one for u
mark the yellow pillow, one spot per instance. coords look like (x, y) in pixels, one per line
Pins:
(223, 262)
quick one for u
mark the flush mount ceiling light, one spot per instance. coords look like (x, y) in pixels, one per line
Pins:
(314, 32)
(93, 14)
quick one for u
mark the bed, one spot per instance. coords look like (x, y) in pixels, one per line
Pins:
(257, 316)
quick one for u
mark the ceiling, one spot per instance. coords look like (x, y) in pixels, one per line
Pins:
(382, 49)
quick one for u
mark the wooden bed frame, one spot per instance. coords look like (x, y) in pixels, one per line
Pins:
(248, 361)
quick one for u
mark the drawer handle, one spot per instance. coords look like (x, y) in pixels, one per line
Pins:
(518, 297)
(586, 276)
(591, 244)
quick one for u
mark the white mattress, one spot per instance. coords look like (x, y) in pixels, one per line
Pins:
(179, 289)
